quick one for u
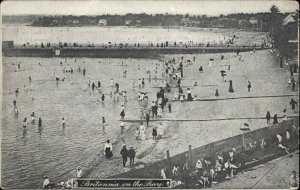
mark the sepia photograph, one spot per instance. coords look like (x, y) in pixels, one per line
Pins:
(150, 94)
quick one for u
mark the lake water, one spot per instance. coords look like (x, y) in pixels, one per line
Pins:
(52, 150)
(98, 35)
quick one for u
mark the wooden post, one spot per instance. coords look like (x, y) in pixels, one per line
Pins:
(168, 155)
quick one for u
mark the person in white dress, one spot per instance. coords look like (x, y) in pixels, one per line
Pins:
(142, 132)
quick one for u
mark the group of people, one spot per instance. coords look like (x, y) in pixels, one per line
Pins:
(125, 153)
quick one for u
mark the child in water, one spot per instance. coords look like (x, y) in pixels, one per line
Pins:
(63, 122)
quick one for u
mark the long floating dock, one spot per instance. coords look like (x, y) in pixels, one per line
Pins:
(115, 52)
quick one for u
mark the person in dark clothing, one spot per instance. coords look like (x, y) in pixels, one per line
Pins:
(217, 93)
(275, 120)
(102, 97)
(147, 119)
(99, 84)
(93, 86)
(293, 103)
(40, 122)
(154, 110)
(131, 155)
(170, 107)
(201, 69)
(83, 71)
(249, 86)
(268, 117)
(124, 153)
(15, 104)
(154, 133)
(293, 85)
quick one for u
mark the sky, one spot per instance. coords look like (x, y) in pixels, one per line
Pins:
(92, 7)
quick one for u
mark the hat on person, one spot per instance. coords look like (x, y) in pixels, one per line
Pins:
(78, 167)
(45, 176)
(131, 147)
(233, 149)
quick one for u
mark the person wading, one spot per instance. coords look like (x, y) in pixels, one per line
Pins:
(124, 153)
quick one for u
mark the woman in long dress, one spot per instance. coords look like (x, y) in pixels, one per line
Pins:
(142, 132)
(108, 149)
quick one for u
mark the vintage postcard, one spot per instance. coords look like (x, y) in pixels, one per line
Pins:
(149, 94)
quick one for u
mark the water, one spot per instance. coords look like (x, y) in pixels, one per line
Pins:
(98, 35)
(52, 150)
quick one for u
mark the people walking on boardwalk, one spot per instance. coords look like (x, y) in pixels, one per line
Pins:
(122, 114)
(268, 117)
(131, 155)
(108, 149)
(79, 172)
(249, 86)
(275, 120)
(293, 104)
(83, 71)
(124, 153)
(142, 132)
(99, 84)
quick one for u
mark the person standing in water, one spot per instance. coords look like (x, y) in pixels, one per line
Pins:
(122, 114)
(102, 97)
(122, 126)
(63, 122)
(275, 120)
(103, 122)
(40, 122)
(15, 104)
(137, 133)
(108, 149)
(32, 117)
(131, 155)
(249, 86)
(24, 123)
(268, 117)
(147, 119)
(124, 153)
(142, 132)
